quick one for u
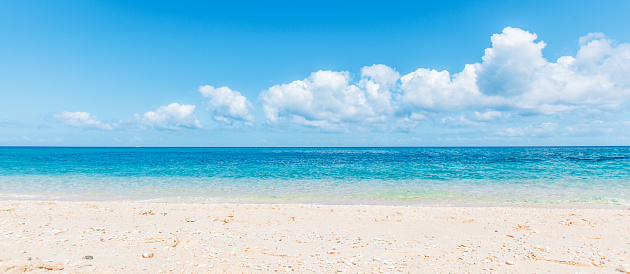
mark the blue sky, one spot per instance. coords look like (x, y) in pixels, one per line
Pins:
(286, 73)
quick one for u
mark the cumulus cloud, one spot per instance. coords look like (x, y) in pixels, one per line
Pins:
(171, 117)
(513, 76)
(440, 91)
(514, 68)
(81, 120)
(378, 81)
(513, 79)
(327, 100)
(508, 67)
(226, 105)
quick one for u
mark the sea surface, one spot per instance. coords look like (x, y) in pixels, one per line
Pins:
(441, 176)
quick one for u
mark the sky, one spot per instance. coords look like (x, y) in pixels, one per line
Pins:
(325, 73)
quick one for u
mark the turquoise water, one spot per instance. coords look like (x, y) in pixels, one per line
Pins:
(529, 175)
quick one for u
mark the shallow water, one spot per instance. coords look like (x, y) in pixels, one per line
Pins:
(510, 175)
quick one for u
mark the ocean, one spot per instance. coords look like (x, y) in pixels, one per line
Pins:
(398, 176)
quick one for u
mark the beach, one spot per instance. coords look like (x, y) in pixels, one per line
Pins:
(138, 237)
(315, 210)
(314, 137)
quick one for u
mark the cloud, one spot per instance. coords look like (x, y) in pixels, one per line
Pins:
(514, 69)
(460, 121)
(171, 117)
(477, 119)
(81, 120)
(508, 67)
(488, 115)
(599, 127)
(6, 123)
(438, 91)
(226, 105)
(512, 81)
(513, 76)
(406, 123)
(542, 130)
(327, 100)
(378, 81)
(589, 128)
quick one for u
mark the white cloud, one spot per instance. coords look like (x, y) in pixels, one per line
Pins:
(514, 75)
(81, 120)
(327, 100)
(171, 117)
(542, 130)
(433, 90)
(513, 79)
(460, 120)
(227, 105)
(507, 68)
(407, 123)
(477, 119)
(514, 68)
(488, 115)
(599, 127)
(378, 81)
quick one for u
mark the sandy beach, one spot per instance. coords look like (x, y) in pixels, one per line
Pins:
(243, 238)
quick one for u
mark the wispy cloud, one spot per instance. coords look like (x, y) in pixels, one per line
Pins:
(489, 115)
(171, 117)
(542, 130)
(81, 120)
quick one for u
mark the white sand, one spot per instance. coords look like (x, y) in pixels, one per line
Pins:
(239, 238)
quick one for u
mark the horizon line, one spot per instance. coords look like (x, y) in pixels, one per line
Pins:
(481, 146)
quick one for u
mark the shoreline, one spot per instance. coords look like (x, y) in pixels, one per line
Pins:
(261, 238)
(447, 204)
